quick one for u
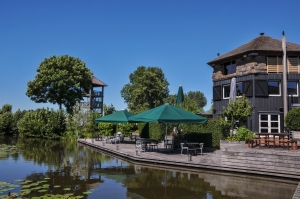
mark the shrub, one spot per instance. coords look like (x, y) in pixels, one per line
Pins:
(127, 129)
(242, 134)
(43, 123)
(292, 119)
(106, 129)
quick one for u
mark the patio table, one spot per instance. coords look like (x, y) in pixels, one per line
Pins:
(192, 147)
(145, 141)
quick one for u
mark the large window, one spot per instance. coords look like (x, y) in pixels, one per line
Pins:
(229, 68)
(274, 88)
(269, 123)
(292, 88)
(226, 90)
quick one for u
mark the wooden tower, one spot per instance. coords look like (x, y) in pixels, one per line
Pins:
(94, 99)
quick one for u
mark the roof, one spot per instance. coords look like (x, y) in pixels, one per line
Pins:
(96, 82)
(261, 43)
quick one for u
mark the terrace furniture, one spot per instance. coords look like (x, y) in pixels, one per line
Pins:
(169, 142)
(98, 137)
(251, 142)
(294, 144)
(121, 136)
(134, 136)
(193, 146)
(183, 146)
(273, 138)
(153, 145)
(140, 146)
(200, 147)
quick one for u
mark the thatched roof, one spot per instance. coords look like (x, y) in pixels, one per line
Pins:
(97, 83)
(261, 43)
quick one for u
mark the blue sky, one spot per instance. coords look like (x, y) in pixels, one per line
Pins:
(114, 37)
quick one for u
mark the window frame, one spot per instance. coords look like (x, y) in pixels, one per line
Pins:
(269, 122)
(232, 67)
(228, 85)
(279, 87)
(297, 88)
(223, 89)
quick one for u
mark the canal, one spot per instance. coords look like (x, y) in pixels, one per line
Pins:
(35, 168)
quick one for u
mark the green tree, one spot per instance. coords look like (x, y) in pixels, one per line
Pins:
(198, 97)
(188, 103)
(108, 109)
(147, 89)
(43, 123)
(6, 119)
(237, 110)
(60, 80)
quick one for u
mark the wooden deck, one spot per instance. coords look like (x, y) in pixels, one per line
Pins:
(261, 161)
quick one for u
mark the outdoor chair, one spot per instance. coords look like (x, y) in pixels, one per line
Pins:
(114, 140)
(134, 136)
(121, 136)
(153, 145)
(169, 142)
(140, 146)
(184, 146)
(201, 145)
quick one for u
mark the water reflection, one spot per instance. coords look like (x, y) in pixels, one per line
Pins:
(83, 169)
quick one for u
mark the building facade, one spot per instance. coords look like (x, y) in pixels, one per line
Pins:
(258, 69)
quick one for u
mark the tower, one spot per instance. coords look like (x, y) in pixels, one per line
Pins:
(94, 99)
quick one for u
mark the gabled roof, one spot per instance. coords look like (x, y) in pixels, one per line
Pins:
(261, 43)
(96, 82)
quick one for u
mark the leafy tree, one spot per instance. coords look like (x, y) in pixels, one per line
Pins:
(16, 118)
(237, 110)
(6, 119)
(147, 89)
(60, 80)
(108, 109)
(106, 129)
(198, 97)
(6, 108)
(188, 104)
(43, 123)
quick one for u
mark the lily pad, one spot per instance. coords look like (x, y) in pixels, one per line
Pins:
(67, 189)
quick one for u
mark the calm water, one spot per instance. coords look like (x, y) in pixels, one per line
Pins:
(70, 168)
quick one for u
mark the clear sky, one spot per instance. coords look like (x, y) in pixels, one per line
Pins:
(114, 37)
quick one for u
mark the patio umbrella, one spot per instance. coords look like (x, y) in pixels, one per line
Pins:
(118, 117)
(168, 114)
(180, 96)
(232, 94)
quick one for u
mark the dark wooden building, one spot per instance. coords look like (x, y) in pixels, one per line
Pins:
(94, 99)
(258, 69)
